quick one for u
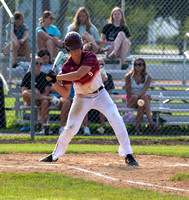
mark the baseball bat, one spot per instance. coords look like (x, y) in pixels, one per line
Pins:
(58, 59)
(5, 83)
(56, 62)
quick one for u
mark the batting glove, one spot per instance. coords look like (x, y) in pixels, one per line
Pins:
(51, 76)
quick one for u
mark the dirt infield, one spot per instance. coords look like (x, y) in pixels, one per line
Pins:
(154, 171)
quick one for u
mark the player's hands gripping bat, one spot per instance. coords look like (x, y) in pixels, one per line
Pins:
(56, 62)
(51, 76)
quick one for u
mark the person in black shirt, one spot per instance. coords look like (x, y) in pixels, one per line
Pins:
(116, 36)
(42, 88)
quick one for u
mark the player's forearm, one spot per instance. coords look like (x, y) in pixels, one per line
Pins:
(73, 76)
(76, 75)
(63, 91)
(68, 77)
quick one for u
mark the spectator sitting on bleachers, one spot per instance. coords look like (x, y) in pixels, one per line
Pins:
(116, 36)
(47, 65)
(21, 46)
(48, 35)
(89, 33)
(42, 88)
(137, 82)
(46, 60)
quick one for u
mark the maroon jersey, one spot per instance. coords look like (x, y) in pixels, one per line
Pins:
(92, 80)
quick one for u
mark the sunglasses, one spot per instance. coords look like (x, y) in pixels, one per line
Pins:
(138, 64)
(37, 63)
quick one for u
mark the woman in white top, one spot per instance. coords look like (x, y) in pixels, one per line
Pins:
(137, 82)
(88, 32)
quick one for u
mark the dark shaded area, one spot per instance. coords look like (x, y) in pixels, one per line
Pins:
(96, 141)
(2, 106)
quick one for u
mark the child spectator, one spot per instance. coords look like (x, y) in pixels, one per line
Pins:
(46, 60)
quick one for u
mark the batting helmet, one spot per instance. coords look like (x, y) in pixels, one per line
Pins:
(73, 41)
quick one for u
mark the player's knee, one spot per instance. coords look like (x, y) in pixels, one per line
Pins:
(66, 136)
(71, 129)
(113, 116)
(116, 121)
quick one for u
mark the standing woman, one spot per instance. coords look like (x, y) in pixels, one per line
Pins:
(137, 82)
(48, 35)
(82, 24)
(116, 35)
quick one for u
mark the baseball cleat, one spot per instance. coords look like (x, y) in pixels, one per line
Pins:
(130, 160)
(48, 159)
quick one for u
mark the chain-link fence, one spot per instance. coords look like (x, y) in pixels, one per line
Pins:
(157, 32)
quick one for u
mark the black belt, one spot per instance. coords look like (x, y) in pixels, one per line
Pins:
(100, 88)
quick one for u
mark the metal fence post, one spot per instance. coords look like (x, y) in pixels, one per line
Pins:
(32, 117)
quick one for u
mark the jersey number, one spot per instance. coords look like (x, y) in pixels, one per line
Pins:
(90, 73)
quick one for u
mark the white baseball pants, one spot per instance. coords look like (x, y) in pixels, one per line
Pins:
(81, 105)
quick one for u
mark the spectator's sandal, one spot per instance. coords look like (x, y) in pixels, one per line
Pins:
(138, 132)
(111, 56)
(102, 50)
(155, 127)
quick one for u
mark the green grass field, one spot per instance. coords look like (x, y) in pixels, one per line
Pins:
(58, 186)
(162, 150)
(42, 186)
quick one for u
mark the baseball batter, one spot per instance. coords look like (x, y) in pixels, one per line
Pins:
(83, 69)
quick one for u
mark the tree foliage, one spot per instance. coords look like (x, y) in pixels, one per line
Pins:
(178, 10)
